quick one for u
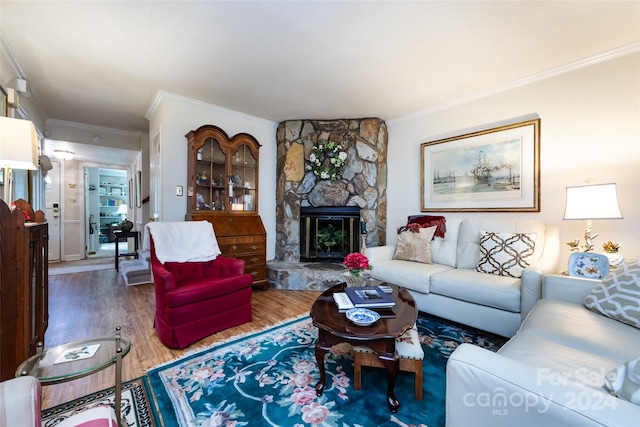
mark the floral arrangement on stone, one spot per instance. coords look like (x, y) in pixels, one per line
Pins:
(356, 263)
(327, 160)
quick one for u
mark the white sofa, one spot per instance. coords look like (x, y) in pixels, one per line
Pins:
(451, 287)
(551, 373)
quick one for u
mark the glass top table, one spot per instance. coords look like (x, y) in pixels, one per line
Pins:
(77, 359)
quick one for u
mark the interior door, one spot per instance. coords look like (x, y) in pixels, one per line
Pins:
(52, 210)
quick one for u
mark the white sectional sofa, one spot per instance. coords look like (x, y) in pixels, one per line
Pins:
(551, 373)
(451, 287)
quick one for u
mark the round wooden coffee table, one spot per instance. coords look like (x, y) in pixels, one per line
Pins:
(334, 328)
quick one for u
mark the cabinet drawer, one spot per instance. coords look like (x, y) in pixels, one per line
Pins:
(259, 272)
(252, 259)
(229, 249)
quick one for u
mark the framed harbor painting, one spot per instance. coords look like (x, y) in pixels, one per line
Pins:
(492, 170)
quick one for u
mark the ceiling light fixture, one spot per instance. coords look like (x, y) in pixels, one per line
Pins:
(64, 154)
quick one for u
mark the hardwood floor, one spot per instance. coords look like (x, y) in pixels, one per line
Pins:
(83, 305)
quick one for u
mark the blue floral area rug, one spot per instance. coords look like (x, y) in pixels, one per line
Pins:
(268, 379)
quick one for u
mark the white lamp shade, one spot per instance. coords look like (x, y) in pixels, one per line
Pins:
(18, 144)
(122, 210)
(592, 202)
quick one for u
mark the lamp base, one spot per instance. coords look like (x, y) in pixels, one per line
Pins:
(615, 260)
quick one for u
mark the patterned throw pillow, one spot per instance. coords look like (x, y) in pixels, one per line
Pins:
(618, 295)
(415, 245)
(505, 254)
(624, 381)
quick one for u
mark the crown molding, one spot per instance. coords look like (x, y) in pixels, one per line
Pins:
(567, 68)
(162, 94)
(93, 128)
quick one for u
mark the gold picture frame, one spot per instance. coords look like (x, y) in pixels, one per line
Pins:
(492, 170)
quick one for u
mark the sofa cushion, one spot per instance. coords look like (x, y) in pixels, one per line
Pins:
(411, 275)
(484, 289)
(618, 295)
(468, 249)
(415, 244)
(572, 326)
(443, 250)
(505, 254)
(568, 343)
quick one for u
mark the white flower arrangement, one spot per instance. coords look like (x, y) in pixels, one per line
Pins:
(327, 160)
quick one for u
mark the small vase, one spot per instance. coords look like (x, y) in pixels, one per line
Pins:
(615, 259)
(357, 280)
(126, 225)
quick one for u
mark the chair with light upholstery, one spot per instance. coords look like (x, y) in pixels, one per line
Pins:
(198, 292)
(20, 400)
(409, 352)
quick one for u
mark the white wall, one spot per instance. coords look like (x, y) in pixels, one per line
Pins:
(590, 132)
(174, 116)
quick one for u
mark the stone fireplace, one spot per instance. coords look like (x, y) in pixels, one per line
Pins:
(362, 186)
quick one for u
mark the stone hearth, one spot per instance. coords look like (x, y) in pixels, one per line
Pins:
(363, 184)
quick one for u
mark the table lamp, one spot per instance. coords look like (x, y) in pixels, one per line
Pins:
(589, 202)
(18, 147)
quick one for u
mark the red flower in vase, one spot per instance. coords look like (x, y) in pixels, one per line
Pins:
(356, 262)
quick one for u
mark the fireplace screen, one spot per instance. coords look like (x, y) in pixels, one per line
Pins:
(329, 233)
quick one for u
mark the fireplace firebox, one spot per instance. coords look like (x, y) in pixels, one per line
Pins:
(329, 233)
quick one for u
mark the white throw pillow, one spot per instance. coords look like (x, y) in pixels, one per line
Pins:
(505, 254)
(624, 381)
(618, 295)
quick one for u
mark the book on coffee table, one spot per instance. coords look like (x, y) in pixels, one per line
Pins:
(342, 301)
(369, 297)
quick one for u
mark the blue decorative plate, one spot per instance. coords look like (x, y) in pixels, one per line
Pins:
(362, 316)
(588, 265)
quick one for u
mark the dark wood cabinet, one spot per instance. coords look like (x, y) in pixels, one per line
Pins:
(24, 313)
(222, 176)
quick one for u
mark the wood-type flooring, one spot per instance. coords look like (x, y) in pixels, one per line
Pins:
(93, 303)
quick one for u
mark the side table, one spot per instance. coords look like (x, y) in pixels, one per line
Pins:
(125, 236)
(46, 366)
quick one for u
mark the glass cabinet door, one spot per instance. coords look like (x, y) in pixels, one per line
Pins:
(210, 176)
(243, 180)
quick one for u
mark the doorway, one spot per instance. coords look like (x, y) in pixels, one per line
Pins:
(107, 205)
(52, 210)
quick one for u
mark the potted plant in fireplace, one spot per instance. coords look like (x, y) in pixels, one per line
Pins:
(358, 267)
(328, 237)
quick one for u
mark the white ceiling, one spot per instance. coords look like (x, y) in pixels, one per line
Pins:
(103, 62)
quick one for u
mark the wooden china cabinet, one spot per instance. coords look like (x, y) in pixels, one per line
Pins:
(222, 176)
(24, 286)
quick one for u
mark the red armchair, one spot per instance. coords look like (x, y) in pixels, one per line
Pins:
(197, 299)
